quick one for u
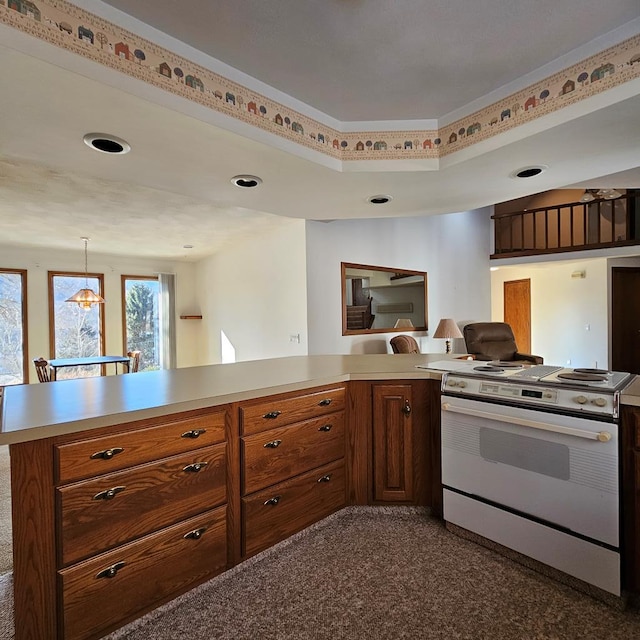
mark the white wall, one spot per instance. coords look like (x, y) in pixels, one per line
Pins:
(563, 307)
(38, 262)
(569, 316)
(453, 249)
(255, 293)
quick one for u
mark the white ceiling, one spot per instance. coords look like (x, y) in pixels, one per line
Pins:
(173, 188)
(431, 57)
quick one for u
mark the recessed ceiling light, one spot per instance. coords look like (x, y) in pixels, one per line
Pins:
(529, 172)
(247, 182)
(187, 246)
(380, 199)
(106, 143)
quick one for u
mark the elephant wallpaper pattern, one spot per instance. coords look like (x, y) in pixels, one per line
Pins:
(74, 29)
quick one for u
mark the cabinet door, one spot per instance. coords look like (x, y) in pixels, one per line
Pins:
(630, 498)
(393, 469)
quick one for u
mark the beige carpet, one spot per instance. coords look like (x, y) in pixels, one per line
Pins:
(6, 558)
(382, 574)
(370, 573)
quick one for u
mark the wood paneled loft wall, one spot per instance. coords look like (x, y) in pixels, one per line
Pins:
(556, 221)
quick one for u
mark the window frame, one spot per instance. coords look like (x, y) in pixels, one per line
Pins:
(25, 320)
(52, 332)
(123, 303)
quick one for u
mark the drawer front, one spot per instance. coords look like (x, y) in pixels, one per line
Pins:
(141, 500)
(144, 572)
(275, 514)
(278, 454)
(89, 458)
(269, 414)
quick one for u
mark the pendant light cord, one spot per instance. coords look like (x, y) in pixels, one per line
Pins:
(86, 268)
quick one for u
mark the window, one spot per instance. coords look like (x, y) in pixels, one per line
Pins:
(13, 327)
(140, 297)
(75, 332)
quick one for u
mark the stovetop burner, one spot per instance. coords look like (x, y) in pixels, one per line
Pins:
(581, 376)
(489, 368)
(597, 372)
(505, 365)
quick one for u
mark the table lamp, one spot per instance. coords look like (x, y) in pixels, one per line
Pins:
(447, 329)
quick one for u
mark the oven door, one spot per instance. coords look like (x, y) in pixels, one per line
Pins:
(555, 469)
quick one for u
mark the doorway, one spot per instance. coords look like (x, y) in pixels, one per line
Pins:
(625, 319)
(517, 311)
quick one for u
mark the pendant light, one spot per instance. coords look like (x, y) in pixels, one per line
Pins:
(86, 297)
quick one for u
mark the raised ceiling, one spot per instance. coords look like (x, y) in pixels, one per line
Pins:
(363, 60)
(174, 187)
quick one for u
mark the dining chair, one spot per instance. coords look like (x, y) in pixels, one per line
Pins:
(42, 369)
(134, 361)
(404, 344)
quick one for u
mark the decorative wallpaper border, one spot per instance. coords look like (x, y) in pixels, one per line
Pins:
(74, 29)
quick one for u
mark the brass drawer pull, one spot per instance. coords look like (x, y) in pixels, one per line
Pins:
(194, 433)
(325, 427)
(324, 403)
(196, 534)
(108, 494)
(325, 478)
(272, 415)
(111, 571)
(107, 454)
(272, 501)
(274, 444)
(195, 467)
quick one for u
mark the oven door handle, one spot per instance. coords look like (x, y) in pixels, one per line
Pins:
(602, 436)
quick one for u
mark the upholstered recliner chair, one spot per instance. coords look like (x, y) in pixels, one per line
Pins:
(494, 341)
(404, 344)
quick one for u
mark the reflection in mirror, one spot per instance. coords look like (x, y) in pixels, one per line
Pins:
(382, 299)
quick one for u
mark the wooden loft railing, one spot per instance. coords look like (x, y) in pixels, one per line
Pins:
(574, 226)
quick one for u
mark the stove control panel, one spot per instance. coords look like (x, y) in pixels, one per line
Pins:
(556, 396)
(519, 391)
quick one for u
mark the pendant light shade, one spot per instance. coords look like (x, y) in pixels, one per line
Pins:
(86, 297)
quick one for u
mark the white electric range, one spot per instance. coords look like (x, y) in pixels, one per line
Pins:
(530, 461)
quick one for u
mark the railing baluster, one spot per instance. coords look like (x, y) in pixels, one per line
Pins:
(519, 232)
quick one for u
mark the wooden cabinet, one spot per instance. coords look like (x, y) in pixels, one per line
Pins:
(391, 449)
(393, 430)
(113, 587)
(112, 522)
(292, 464)
(630, 498)
(118, 523)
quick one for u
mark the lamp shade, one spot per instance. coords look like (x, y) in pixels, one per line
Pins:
(403, 323)
(85, 298)
(447, 328)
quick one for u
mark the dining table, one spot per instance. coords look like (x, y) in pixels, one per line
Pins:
(60, 363)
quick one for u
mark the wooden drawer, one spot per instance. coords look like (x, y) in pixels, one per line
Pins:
(278, 454)
(155, 568)
(89, 458)
(271, 413)
(145, 499)
(274, 514)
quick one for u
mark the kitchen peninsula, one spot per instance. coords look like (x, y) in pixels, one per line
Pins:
(128, 490)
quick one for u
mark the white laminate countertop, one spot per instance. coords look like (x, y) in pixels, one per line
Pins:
(35, 411)
(631, 393)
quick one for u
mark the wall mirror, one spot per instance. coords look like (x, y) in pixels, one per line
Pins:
(382, 299)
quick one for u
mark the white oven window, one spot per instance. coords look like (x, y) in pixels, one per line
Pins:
(540, 456)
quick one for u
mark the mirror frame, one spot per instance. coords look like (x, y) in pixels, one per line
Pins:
(343, 275)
